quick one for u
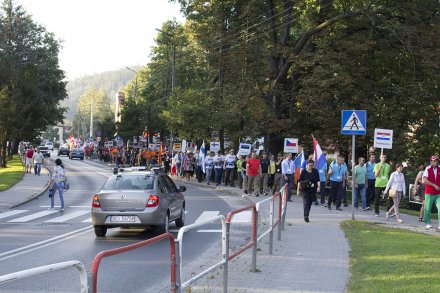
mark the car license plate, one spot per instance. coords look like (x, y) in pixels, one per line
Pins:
(122, 219)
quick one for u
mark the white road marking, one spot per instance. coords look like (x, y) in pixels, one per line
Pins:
(243, 217)
(41, 244)
(206, 215)
(89, 220)
(33, 216)
(67, 217)
(69, 206)
(210, 231)
(11, 213)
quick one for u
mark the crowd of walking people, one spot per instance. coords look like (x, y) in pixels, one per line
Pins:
(374, 182)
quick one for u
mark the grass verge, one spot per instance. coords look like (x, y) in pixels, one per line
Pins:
(11, 174)
(391, 260)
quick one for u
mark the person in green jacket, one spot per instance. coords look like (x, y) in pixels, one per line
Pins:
(240, 177)
(382, 172)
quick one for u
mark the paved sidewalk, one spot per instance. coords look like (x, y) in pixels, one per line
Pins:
(311, 257)
(29, 188)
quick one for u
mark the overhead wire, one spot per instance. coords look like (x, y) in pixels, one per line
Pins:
(262, 29)
(220, 39)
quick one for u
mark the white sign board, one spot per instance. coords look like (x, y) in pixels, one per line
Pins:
(245, 149)
(383, 138)
(190, 146)
(291, 145)
(214, 146)
(177, 147)
(120, 143)
(152, 147)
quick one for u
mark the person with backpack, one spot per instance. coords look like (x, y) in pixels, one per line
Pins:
(58, 182)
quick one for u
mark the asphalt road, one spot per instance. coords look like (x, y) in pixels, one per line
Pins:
(32, 238)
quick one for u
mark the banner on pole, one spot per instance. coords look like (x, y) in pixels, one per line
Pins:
(383, 138)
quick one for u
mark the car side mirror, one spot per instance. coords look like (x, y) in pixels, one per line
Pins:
(182, 188)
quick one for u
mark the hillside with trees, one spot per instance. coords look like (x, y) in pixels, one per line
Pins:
(109, 81)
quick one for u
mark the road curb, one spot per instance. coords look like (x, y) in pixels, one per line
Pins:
(35, 195)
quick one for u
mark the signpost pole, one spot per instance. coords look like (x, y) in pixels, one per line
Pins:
(381, 153)
(353, 147)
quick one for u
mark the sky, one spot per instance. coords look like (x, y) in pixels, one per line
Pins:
(102, 35)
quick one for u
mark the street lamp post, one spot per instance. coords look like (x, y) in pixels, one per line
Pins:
(135, 82)
(91, 119)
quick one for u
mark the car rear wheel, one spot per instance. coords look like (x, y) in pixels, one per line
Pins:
(166, 224)
(180, 222)
(100, 231)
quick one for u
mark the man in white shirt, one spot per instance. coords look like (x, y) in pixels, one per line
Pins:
(229, 166)
(38, 161)
(209, 166)
(288, 169)
(219, 161)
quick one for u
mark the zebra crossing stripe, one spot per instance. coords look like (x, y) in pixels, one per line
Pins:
(11, 213)
(67, 217)
(32, 217)
(89, 220)
(243, 217)
(206, 215)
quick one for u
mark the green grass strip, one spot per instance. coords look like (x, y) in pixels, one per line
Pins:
(11, 174)
(386, 259)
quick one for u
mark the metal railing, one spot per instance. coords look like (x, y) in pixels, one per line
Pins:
(179, 254)
(253, 242)
(106, 253)
(47, 269)
(272, 223)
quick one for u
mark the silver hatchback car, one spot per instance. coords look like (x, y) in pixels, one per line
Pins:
(138, 199)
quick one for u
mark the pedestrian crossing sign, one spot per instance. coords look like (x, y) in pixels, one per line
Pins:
(354, 122)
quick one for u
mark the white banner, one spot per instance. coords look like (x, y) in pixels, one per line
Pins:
(291, 145)
(383, 138)
(245, 149)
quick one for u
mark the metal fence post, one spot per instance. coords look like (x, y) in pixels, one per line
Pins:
(226, 257)
(90, 282)
(254, 247)
(285, 207)
(178, 266)
(272, 206)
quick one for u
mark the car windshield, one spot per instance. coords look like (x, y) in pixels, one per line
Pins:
(129, 182)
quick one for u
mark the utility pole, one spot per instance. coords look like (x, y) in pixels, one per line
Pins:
(135, 82)
(91, 118)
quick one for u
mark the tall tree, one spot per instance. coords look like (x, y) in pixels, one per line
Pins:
(31, 82)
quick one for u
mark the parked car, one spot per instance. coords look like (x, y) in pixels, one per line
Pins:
(76, 153)
(138, 199)
(64, 150)
(45, 151)
(49, 145)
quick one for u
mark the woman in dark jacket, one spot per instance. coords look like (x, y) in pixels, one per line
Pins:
(308, 186)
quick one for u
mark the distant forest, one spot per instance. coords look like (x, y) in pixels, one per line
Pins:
(110, 81)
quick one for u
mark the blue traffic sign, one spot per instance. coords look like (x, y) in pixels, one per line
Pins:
(354, 122)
